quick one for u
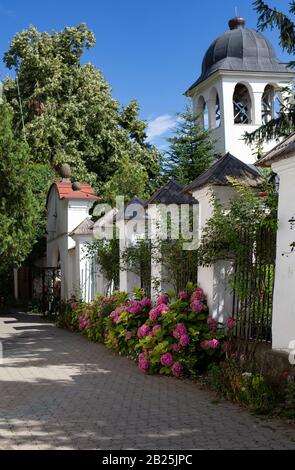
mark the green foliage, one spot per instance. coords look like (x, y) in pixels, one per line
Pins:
(69, 113)
(137, 259)
(129, 180)
(229, 381)
(19, 208)
(191, 149)
(221, 237)
(288, 406)
(180, 266)
(271, 18)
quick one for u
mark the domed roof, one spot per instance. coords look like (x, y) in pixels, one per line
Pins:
(240, 49)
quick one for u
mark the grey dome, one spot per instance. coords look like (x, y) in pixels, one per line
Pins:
(240, 49)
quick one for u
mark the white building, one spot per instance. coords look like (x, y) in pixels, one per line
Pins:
(68, 230)
(239, 88)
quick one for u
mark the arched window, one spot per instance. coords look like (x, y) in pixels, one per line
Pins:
(202, 112)
(242, 105)
(270, 104)
(217, 111)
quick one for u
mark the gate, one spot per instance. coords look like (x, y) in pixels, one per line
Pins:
(253, 285)
(47, 289)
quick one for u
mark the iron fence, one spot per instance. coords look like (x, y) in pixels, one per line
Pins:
(253, 284)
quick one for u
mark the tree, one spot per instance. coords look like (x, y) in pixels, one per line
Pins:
(284, 123)
(129, 180)
(68, 114)
(19, 208)
(191, 148)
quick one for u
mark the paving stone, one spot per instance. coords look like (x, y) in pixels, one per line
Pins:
(60, 391)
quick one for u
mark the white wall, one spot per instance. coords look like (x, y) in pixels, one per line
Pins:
(283, 325)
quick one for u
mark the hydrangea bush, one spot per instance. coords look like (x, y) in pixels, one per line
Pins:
(175, 336)
(179, 338)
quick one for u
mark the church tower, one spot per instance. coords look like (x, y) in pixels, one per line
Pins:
(239, 89)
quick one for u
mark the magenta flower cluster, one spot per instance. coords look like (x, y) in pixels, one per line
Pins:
(143, 330)
(167, 361)
(143, 361)
(210, 344)
(163, 299)
(197, 298)
(83, 322)
(230, 323)
(183, 295)
(213, 325)
(158, 310)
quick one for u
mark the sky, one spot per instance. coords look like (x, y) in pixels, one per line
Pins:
(150, 50)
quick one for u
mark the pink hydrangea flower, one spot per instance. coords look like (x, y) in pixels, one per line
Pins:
(179, 330)
(183, 295)
(184, 340)
(197, 306)
(115, 315)
(163, 299)
(198, 294)
(83, 322)
(177, 369)
(154, 313)
(143, 330)
(230, 323)
(213, 325)
(143, 361)
(145, 302)
(128, 335)
(166, 359)
(163, 308)
(213, 343)
(176, 347)
(134, 307)
(74, 306)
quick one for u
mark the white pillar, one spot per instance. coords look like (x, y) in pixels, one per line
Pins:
(128, 279)
(214, 279)
(283, 322)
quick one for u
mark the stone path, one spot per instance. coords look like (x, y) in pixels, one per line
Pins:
(59, 391)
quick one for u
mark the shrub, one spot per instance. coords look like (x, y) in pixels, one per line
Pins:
(123, 322)
(178, 338)
(230, 382)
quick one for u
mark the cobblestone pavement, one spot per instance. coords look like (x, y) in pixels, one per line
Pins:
(59, 391)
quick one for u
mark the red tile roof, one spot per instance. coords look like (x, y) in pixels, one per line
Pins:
(65, 191)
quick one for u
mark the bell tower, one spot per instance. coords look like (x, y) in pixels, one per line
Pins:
(239, 89)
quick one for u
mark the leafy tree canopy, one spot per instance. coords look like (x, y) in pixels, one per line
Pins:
(19, 208)
(69, 115)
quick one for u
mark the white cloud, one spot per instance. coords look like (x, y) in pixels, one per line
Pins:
(159, 126)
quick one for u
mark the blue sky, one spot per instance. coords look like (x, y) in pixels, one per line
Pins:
(149, 50)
